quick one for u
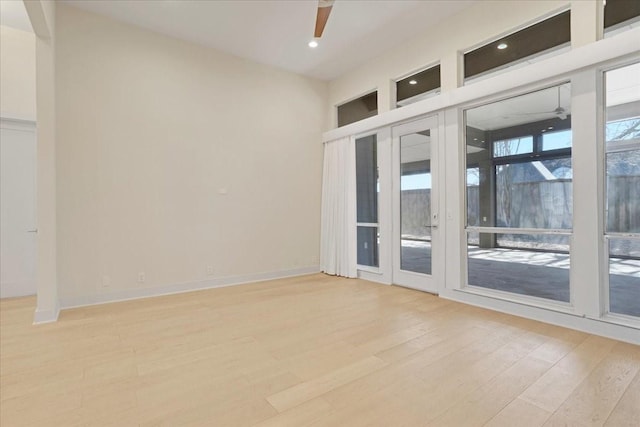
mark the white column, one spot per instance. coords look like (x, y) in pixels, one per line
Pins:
(42, 16)
(586, 22)
(588, 193)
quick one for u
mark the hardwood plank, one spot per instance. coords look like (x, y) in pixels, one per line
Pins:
(313, 388)
(626, 413)
(307, 351)
(596, 397)
(557, 384)
(519, 412)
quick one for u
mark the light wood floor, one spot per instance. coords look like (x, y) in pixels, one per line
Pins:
(308, 351)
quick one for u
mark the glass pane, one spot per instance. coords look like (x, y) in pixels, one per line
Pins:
(368, 246)
(358, 109)
(415, 202)
(367, 179)
(556, 140)
(620, 11)
(622, 133)
(622, 130)
(624, 276)
(543, 36)
(514, 146)
(623, 192)
(516, 177)
(409, 88)
(473, 202)
(534, 194)
(541, 271)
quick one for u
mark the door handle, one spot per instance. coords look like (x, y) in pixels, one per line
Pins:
(35, 230)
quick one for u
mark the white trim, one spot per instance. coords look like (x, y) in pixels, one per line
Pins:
(624, 236)
(373, 277)
(46, 316)
(524, 299)
(507, 230)
(369, 268)
(367, 224)
(406, 278)
(178, 288)
(552, 68)
(584, 324)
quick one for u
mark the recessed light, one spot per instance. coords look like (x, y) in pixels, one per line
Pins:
(543, 130)
(413, 82)
(550, 127)
(502, 46)
(313, 44)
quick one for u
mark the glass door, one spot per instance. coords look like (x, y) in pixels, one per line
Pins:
(416, 243)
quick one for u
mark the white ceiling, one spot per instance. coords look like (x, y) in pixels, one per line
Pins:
(13, 14)
(277, 32)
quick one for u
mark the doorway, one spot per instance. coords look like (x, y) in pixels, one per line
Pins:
(17, 208)
(417, 246)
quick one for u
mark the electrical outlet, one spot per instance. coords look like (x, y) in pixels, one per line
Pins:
(141, 277)
(209, 270)
(106, 281)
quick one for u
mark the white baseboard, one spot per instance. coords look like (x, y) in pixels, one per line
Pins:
(130, 294)
(603, 328)
(46, 316)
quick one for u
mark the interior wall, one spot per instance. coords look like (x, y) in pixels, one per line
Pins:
(17, 74)
(178, 161)
(444, 43)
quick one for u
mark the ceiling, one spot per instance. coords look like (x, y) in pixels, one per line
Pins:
(276, 32)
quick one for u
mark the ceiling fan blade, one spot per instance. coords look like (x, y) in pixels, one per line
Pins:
(324, 10)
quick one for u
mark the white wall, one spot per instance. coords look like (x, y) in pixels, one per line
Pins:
(17, 74)
(443, 43)
(150, 131)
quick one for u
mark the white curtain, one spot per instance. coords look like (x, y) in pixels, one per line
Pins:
(338, 228)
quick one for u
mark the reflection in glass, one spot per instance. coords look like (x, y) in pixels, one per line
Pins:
(415, 202)
(368, 246)
(534, 194)
(624, 276)
(367, 179)
(367, 200)
(519, 172)
(541, 271)
(622, 208)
